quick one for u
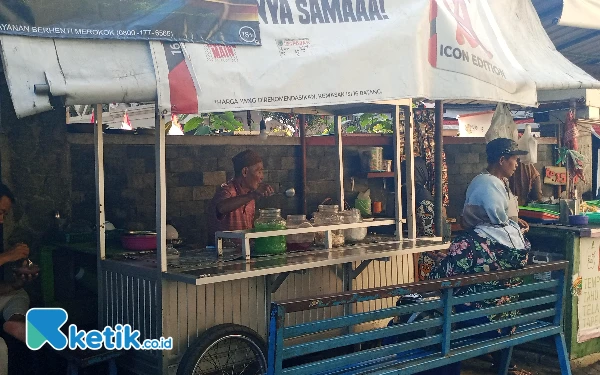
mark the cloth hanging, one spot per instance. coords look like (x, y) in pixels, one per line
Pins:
(424, 146)
(526, 183)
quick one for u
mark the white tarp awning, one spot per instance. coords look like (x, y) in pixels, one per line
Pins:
(581, 13)
(446, 49)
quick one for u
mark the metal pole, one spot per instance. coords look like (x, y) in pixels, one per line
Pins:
(338, 142)
(161, 193)
(162, 291)
(439, 149)
(100, 208)
(302, 125)
(397, 173)
(570, 182)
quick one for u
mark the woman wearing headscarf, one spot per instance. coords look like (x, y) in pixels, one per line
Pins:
(493, 238)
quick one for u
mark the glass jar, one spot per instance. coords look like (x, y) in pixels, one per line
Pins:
(329, 215)
(352, 216)
(299, 242)
(269, 219)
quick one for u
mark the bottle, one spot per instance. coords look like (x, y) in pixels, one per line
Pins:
(299, 242)
(269, 219)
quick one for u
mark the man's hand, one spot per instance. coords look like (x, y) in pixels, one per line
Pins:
(263, 190)
(19, 251)
(524, 226)
(24, 274)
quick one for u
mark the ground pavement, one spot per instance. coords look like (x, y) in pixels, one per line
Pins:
(548, 367)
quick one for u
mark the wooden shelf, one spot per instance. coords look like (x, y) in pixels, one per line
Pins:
(380, 174)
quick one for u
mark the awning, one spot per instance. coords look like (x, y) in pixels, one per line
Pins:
(82, 72)
(486, 50)
(581, 13)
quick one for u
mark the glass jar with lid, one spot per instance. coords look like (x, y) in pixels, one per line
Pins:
(329, 215)
(299, 242)
(269, 219)
(352, 216)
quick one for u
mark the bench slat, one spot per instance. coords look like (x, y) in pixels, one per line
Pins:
(542, 285)
(345, 321)
(361, 356)
(478, 313)
(357, 338)
(384, 363)
(525, 318)
(458, 355)
(295, 305)
(527, 327)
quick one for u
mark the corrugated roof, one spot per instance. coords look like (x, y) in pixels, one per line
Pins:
(580, 46)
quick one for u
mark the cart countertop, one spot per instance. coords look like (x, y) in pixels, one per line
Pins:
(203, 266)
(591, 230)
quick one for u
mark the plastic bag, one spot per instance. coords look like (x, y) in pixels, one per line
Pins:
(503, 125)
(363, 203)
(528, 143)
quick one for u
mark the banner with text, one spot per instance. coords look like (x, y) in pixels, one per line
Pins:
(198, 21)
(328, 52)
(588, 302)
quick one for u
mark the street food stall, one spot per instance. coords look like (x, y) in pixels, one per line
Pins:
(333, 68)
(205, 288)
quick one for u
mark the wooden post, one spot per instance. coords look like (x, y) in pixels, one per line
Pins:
(409, 173)
(397, 173)
(161, 193)
(337, 127)
(302, 125)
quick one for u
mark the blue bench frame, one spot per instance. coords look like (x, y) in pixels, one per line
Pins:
(541, 315)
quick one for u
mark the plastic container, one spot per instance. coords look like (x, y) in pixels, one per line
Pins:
(593, 217)
(352, 216)
(578, 220)
(299, 242)
(376, 159)
(139, 241)
(329, 215)
(269, 219)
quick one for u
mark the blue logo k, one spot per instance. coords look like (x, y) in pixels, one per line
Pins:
(43, 326)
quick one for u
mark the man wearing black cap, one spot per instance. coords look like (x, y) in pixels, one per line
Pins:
(233, 206)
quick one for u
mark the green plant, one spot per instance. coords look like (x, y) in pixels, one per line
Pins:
(375, 123)
(204, 123)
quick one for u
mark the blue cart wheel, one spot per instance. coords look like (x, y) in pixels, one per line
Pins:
(225, 349)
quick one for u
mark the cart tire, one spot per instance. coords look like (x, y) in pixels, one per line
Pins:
(199, 353)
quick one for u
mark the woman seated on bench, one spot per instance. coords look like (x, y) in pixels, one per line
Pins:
(493, 238)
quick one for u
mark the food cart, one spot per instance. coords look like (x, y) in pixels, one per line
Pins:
(390, 54)
(206, 288)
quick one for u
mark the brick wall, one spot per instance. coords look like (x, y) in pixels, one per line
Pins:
(465, 161)
(193, 174)
(33, 159)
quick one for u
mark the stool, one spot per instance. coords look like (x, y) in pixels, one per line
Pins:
(80, 359)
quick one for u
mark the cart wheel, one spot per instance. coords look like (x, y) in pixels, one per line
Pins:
(225, 349)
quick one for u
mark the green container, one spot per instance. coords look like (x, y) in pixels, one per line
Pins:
(364, 206)
(593, 217)
(269, 219)
(547, 207)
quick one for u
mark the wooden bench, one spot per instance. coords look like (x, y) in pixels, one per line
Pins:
(442, 341)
